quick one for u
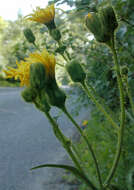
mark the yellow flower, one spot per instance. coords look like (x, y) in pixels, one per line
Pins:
(23, 68)
(85, 122)
(89, 15)
(44, 16)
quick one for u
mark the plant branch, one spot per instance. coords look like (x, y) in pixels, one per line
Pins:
(88, 144)
(122, 123)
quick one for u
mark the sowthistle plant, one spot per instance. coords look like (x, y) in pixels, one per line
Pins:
(37, 74)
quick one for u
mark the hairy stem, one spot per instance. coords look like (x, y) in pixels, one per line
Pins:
(88, 144)
(99, 106)
(122, 122)
(62, 139)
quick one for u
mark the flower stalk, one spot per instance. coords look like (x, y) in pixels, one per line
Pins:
(67, 146)
(87, 142)
(98, 105)
(122, 122)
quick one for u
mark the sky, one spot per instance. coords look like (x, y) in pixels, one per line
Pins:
(9, 9)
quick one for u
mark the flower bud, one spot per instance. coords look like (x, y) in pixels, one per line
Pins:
(42, 102)
(94, 24)
(108, 20)
(56, 96)
(29, 94)
(55, 33)
(76, 71)
(29, 35)
(37, 76)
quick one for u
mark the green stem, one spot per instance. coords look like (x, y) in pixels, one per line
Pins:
(102, 102)
(62, 139)
(64, 57)
(60, 64)
(76, 152)
(130, 97)
(36, 46)
(87, 142)
(122, 123)
(68, 56)
(98, 105)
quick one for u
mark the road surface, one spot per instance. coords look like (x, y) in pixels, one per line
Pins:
(27, 140)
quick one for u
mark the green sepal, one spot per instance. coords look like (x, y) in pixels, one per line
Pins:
(51, 25)
(55, 33)
(76, 71)
(56, 96)
(37, 76)
(29, 94)
(108, 19)
(41, 102)
(29, 35)
(95, 26)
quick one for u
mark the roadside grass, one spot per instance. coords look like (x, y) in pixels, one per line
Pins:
(9, 84)
(103, 139)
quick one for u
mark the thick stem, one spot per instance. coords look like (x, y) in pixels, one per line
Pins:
(68, 149)
(122, 123)
(88, 144)
(98, 105)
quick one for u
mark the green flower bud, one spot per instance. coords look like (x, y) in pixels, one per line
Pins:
(95, 26)
(108, 19)
(76, 71)
(55, 95)
(29, 35)
(29, 94)
(37, 76)
(55, 33)
(42, 102)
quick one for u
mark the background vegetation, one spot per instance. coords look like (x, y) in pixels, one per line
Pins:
(97, 61)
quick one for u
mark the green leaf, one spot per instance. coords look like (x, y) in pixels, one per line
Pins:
(72, 169)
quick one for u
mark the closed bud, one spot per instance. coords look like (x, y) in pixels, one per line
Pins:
(56, 96)
(29, 35)
(37, 76)
(42, 102)
(76, 71)
(108, 20)
(95, 26)
(55, 33)
(29, 94)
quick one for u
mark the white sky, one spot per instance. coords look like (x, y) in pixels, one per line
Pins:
(9, 8)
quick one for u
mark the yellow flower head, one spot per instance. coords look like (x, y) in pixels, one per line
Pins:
(43, 16)
(89, 15)
(85, 122)
(22, 71)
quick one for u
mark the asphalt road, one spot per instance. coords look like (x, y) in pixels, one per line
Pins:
(27, 140)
